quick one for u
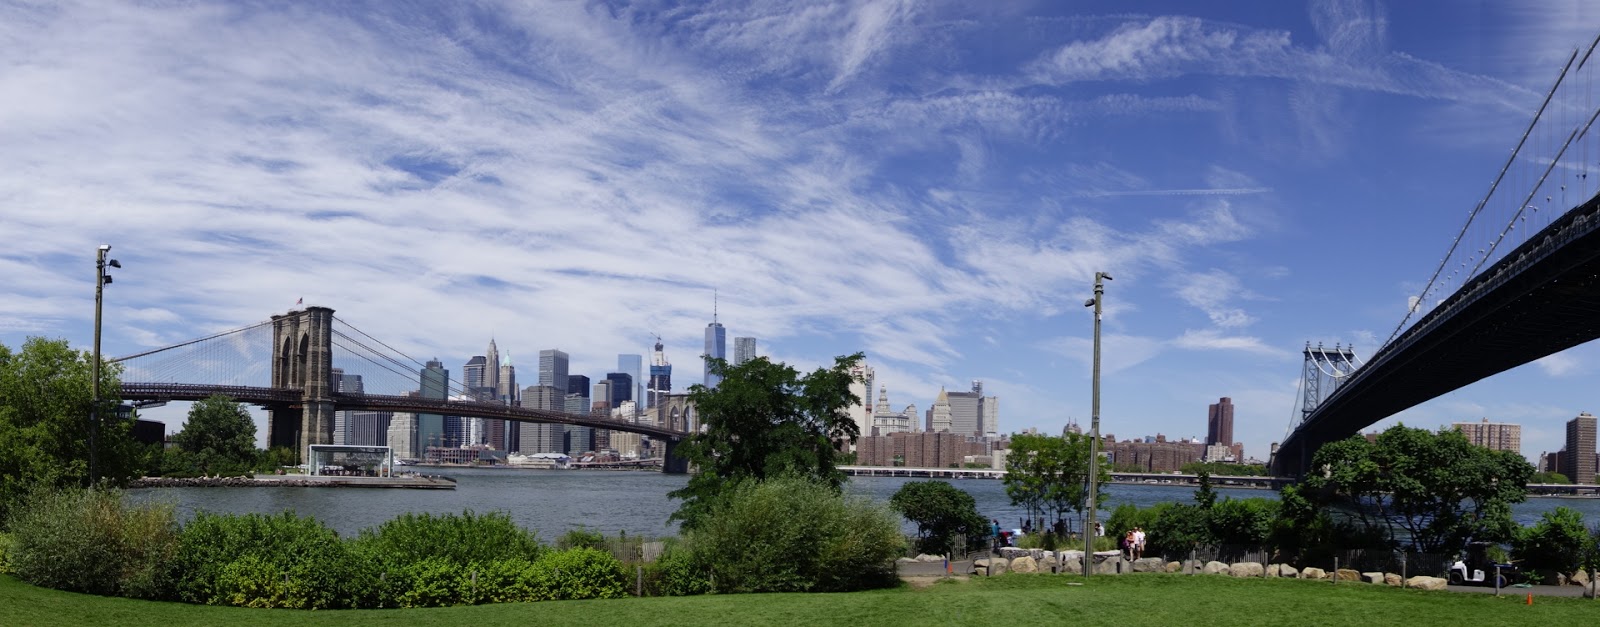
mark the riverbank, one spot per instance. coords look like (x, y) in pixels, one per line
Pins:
(419, 482)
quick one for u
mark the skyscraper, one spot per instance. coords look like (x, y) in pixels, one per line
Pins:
(430, 427)
(344, 384)
(1496, 436)
(579, 439)
(634, 366)
(403, 435)
(660, 376)
(472, 374)
(744, 349)
(716, 347)
(553, 369)
(538, 437)
(1578, 462)
(491, 368)
(506, 383)
(621, 387)
(1219, 422)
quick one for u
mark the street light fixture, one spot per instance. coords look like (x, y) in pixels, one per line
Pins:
(101, 280)
(1094, 425)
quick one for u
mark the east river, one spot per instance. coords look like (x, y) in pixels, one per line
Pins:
(555, 501)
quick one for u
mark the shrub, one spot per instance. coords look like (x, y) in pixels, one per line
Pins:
(426, 560)
(5, 547)
(258, 560)
(1554, 543)
(941, 512)
(90, 541)
(794, 534)
(581, 538)
(583, 573)
(678, 573)
(1242, 521)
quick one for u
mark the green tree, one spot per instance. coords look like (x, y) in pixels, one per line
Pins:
(941, 512)
(1550, 477)
(764, 420)
(46, 402)
(1556, 542)
(1225, 469)
(1050, 475)
(1436, 489)
(219, 436)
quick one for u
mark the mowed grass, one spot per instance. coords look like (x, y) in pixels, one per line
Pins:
(1011, 599)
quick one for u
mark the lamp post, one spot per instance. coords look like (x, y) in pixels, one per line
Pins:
(1094, 425)
(101, 280)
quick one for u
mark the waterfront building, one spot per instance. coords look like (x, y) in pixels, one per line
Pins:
(402, 435)
(1156, 454)
(744, 349)
(1578, 459)
(1219, 422)
(919, 449)
(660, 376)
(972, 413)
(435, 385)
(1495, 436)
(368, 428)
(886, 421)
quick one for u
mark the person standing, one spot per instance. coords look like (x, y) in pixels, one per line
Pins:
(994, 535)
(1138, 542)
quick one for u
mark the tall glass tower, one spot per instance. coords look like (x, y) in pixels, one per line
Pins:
(744, 349)
(716, 348)
(634, 366)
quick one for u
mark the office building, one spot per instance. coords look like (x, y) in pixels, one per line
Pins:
(1578, 461)
(538, 437)
(744, 349)
(402, 436)
(344, 384)
(1495, 436)
(621, 388)
(886, 421)
(660, 377)
(972, 413)
(367, 428)
(716, 348)
(435, 386)
(634, 366)
(491, 368)
(579, 439)
(553, 369)
(473, 372)
(939, 414)
(1219, 422)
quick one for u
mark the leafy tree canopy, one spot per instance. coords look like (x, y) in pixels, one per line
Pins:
(46, 402)
(1550, 477)
(764, 420)
(941, 512)
(218, 435)
(1437, 489)
(1224, 469)
(1050, 475)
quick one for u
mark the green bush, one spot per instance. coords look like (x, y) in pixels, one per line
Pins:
(794, 534)
(258, 560)
(942, 512)
(583, 573)
(5, 547)
(581, 538)
(1242, 521)
(1555, 543)
(425, 560)
(678, 573)
(91, 541)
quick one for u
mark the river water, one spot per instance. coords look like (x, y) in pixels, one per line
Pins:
(555, 501)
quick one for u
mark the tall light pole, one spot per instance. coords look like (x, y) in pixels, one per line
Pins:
(1094, 424)
(101, 280)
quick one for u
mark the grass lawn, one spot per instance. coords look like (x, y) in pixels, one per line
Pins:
(1007, 600)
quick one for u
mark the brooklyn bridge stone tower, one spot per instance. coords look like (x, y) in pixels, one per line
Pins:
(302, 359)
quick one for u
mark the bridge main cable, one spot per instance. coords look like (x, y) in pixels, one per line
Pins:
(190, 342)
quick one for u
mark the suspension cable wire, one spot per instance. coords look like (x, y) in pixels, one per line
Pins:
(1542, 178)
(403, 373)
(1465, 229)
(208, 337)
(380, 342)
(372, 351)
(451, 385)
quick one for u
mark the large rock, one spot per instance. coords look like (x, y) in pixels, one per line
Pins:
(1312, 572)
(998, 566)
(1285, 570)
(1108, 564)
(980, 567)
(1246, 569)
(930, 558)
(1372, 577)
(1589, 589)
(1579, 578)
(1173, 567)
(1214, 568)
(1049, 564)
(1011, 552)
(1024, 564)
(1149, 565)
(1424, 582)
(1190, 567)
(1346, 574)
(1071, 562)
(1391, 579)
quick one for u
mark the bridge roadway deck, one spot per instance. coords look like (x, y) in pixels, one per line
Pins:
(1542, 298)
(1231, 481)
(267, 396)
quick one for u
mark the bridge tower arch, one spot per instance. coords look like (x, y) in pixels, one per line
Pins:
(302, 359)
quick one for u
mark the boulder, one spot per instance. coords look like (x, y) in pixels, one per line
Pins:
(1246, 569)
(1190, 567)
(1589, 589)
(1214, 568)
(1391, 579)
(1011, 552)
(1372, 577)
(1071, 562)
(1285, 570)
(907, 560)
(1424, 582)
(1108, 565)
(1173, 567)
(1312, 572)
(1024, 564)
(1579, 578)
(1346, 574)
(998, 566)
(1049, 564)
(980, 567)
(930, 558)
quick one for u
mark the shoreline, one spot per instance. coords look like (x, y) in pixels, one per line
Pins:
(418, 482)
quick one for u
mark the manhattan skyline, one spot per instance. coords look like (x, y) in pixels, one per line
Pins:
(931, 184)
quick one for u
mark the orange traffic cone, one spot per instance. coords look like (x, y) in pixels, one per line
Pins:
(1530, 598)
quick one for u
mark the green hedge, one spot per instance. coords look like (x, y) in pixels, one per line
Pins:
(259, 560)
(91, 541)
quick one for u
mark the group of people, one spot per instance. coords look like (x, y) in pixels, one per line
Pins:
(1132, 543)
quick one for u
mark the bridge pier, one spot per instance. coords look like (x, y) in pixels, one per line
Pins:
(671, 463)
(302, 358)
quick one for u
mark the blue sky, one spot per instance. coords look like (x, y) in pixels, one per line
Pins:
(933, 183)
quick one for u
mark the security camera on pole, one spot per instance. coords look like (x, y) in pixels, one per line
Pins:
(1094, 424)
(101, 280)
